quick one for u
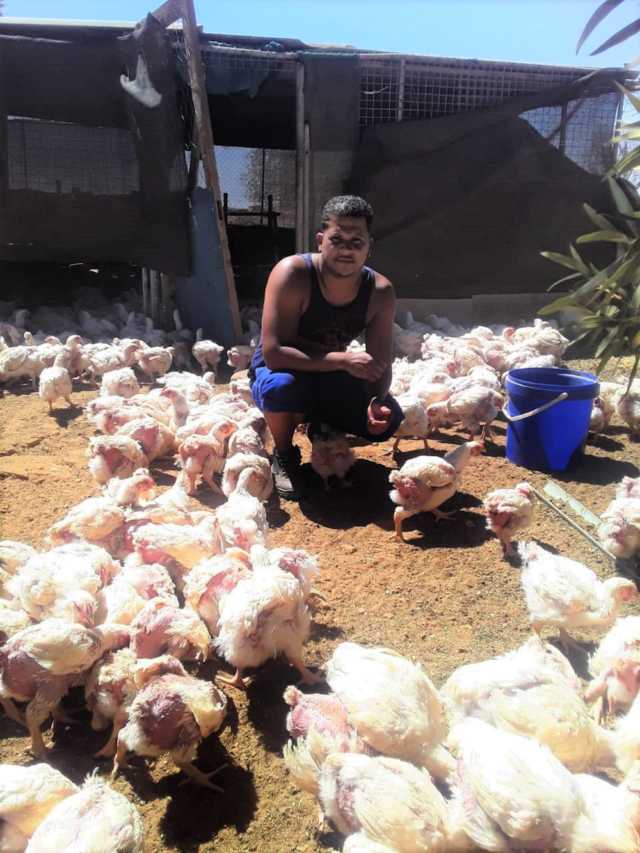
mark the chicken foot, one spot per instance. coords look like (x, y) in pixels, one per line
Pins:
(235, 681)
(197, 777)
(507, 548)
(13, 713)
(38, 747)
(109, 749)
(568, 642)
(442, 516)
(61, 716)
(308, 677)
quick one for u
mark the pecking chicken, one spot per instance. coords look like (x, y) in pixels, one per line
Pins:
(109, 691)
(331, 455)
(27, 795)
(242, 519)
(237, 463)
(415, 423)
(320, 725)
(264, 615)
(393, 705)
(162, 629)
(114, 456)
(597, 421)
(509, 511)
(209, 583)
(615, 667)
(511, 793)
(95, 820)
(40, 663)
(389, 801)
(201, 455)
(172, 714)
(425, 482)
(564, 593)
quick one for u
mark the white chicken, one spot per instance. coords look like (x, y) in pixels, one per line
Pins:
(101, 361)
(265, 614)
(242, 519)
(236, 464)
(331, 455)
(535, 662)
(13, 555)
(209, 583)
(389, 801)
(201, 455)
(179, 547)
(628, 407)
(140, 486)
(564, 593)
(246, 440)
(154, 438)
(172, 714)
(619, 531)
(11, 621)
(95, 820)
(475, 407)
(207, 354)
(114, 456)
(614, 807)
(163, 629)
(55, 383)
(425, 482)
(239, 357)
(93, 520)
(415, 423)
(120, 383)
(393, 705)
(155, 361)
(511, 793)
(615, 667)
(40, 663)
(27, 795)
(509, 511)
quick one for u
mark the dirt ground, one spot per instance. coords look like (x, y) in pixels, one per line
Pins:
(446, 598)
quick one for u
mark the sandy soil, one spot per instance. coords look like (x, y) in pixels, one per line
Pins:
(445, 598)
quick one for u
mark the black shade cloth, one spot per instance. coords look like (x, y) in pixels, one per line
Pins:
(90, 170)
(464, 205)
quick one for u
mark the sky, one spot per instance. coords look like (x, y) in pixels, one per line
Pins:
(538, 31)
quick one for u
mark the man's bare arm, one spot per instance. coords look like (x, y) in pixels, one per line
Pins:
(283, 302)
(379, 340)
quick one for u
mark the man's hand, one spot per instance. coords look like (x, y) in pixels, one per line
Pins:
(363, 366)
(378, 417)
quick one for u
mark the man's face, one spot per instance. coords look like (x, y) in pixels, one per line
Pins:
(344, 246)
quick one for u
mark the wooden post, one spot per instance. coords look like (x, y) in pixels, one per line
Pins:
(306, 188)
(206, 145)
(168, 300)
(154, 288)
(300, 239)
(145, 291)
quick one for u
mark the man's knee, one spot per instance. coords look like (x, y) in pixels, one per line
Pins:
(279, 392)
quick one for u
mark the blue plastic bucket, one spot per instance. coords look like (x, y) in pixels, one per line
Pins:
(548, 416)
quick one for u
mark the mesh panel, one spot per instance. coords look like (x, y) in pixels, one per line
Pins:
(216, 56)
(241, 177)
(395, 88)
(62, 158)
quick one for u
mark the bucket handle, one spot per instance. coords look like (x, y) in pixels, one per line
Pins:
(512, 418)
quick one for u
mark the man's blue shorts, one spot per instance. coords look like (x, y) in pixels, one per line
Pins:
(335, 398)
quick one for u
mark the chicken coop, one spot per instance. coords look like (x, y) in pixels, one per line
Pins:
(472, 167)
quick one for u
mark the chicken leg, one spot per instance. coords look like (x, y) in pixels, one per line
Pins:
(197, 777)
(13, 713)
(442, 516)
(308, 677)
(568, 642)
(236, 681)
(109, 749)
(38, 746)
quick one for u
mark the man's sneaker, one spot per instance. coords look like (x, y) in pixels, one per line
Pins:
(287, 476)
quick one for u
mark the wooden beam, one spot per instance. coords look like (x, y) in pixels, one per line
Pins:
(154, 287)
(207, 148)
(300, 239)
(168, 13)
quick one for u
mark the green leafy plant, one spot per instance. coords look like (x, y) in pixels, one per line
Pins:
(606, 302)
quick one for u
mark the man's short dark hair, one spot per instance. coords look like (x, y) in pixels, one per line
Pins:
(350, 206)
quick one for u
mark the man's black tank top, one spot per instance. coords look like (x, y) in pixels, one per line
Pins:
(324, 327)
